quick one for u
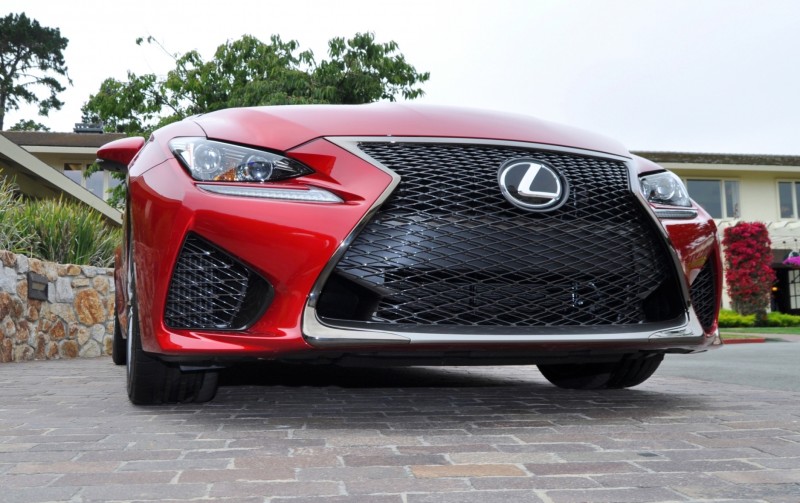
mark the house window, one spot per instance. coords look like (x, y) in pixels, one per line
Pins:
(74, 172)
(794, 289)
(98, 183)
(788, 199)
(720, 198)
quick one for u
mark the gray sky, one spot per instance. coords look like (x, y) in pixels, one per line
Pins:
(670, 75)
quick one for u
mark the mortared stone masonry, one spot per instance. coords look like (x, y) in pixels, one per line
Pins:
(77, 319)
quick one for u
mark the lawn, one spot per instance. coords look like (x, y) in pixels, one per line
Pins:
(761, 330)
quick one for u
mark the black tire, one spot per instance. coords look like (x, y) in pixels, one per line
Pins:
(119, 352)
(626, 373)
(152, 382)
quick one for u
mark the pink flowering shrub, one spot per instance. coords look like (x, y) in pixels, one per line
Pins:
(748, 270)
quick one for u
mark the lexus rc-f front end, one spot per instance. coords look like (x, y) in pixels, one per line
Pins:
(397, 234)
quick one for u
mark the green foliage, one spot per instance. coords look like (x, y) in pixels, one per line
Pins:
(117, 194)
(28, 125)
(55, 230)
(361, 71)
(69, 233)
(782, 320)
(732, 319)
(130, 107)
(249, 72)
(243, 73)
(31, 58)
(14, 236)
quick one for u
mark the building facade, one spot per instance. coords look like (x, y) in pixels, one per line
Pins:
(751, 188)
(44, 165)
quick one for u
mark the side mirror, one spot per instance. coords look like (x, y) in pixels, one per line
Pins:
(118, 154)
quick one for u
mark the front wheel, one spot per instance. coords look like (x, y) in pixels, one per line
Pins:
(625, 373)
(151, 381)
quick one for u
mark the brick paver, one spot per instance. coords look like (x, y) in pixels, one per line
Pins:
(327, 435)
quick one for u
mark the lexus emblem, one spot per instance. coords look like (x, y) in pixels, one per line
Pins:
(532, 184)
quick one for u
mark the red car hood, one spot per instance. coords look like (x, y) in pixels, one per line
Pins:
(284, 127)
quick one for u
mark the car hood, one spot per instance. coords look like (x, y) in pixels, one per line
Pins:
(285, 127)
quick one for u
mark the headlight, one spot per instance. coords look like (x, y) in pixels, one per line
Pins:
(665, 188)
(208, 160)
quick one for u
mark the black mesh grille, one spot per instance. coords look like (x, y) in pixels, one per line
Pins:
(212, 290)
(703, 293)
(448, 249)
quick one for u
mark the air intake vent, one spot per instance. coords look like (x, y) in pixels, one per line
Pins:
(212, 290)
(703, 293)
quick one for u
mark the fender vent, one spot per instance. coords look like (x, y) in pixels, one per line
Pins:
(703, 294)
(210, 289)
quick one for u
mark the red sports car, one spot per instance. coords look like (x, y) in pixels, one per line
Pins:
(399, 234)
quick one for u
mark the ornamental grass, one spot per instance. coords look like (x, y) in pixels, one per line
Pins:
(55, 230)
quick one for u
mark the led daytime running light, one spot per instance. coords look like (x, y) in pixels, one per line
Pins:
(309, 195)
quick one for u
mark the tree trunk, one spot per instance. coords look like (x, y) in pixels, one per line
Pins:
(2, 111)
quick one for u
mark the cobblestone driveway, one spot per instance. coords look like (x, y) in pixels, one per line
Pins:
(68, 433)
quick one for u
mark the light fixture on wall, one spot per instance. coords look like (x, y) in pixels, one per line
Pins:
(37, 286)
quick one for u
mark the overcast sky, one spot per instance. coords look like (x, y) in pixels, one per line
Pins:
(668, 75)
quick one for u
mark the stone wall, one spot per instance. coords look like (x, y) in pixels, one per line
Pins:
(77, 319)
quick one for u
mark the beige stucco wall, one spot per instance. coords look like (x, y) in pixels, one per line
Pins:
(758, 185)
(58, 159)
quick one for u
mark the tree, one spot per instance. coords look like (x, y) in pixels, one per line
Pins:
(748, 270)
(31, 58)
(361, 71)
(28, 125)
(249, 72)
